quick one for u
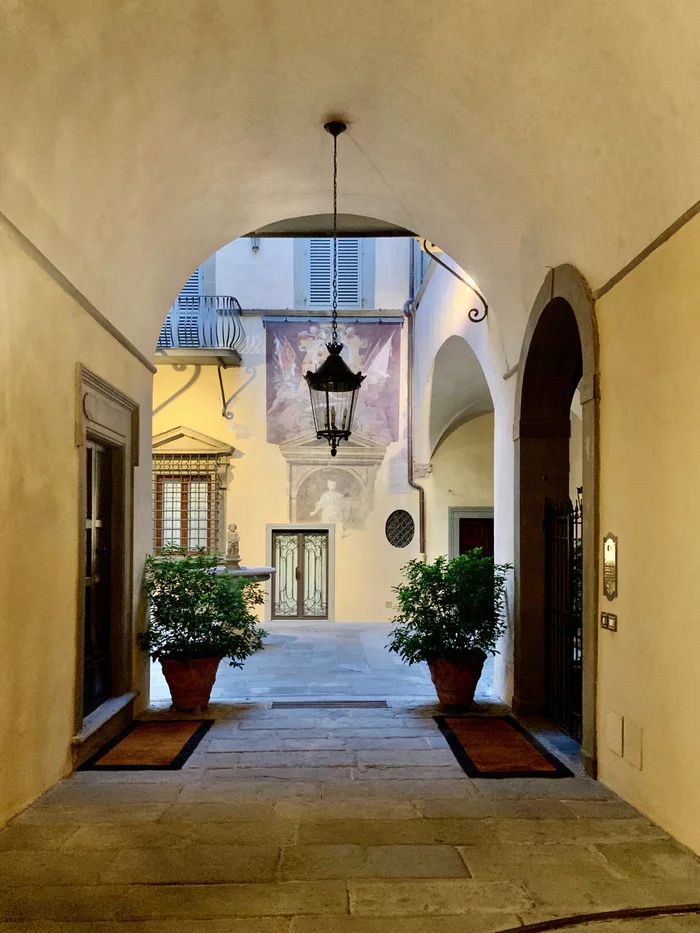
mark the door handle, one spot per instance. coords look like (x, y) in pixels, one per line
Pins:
(297, 574)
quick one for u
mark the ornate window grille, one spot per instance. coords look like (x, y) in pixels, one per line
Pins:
(188, 501)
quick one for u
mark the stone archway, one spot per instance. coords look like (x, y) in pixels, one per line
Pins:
(559, 349)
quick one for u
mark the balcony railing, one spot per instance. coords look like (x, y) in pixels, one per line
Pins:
(199, 322)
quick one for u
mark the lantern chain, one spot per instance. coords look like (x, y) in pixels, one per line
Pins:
(335, 239)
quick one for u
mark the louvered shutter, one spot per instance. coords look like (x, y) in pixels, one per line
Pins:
(320, 271)
(188, 311)
(193, 286)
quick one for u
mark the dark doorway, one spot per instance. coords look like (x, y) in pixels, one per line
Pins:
(555, 614)
(476, 532)
(300, 588)
(97, 660)
(563, 528)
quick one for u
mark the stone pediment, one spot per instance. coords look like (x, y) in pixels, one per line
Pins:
(184, 440)
(308, 449)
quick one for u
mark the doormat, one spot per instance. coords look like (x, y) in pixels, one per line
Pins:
(498, 747)
(150, 746)
(331, 704)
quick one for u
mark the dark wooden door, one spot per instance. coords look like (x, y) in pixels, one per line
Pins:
(97, 670)
(476, 532)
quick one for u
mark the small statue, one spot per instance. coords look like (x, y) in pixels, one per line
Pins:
(233, 556)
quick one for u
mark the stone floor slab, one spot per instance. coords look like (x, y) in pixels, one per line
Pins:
(520, 863)
(659, 858)
(395, 832)
(402, 758)
(371, 809)
(193, 865)
(479, 807)
(26, 836)
(436, 898)
(320, 862)
(55, 867)
(465, 923)
(211, 901)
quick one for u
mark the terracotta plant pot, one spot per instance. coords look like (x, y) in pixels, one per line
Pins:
(190, 682)
(455, 681)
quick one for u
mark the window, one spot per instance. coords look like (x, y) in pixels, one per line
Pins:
(187, 501)
(314, 273)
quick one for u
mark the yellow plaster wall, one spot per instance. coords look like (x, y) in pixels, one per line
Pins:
(367, 566)
(43, 335)
(650, 498)
(461, 476)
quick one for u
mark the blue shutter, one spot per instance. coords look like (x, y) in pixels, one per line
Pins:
(181, 326)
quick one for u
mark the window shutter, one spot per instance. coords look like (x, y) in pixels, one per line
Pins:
(186, 316)
(320, 271)
(188, 311)
(193, 286)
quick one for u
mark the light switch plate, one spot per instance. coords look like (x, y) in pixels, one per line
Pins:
(608, 620)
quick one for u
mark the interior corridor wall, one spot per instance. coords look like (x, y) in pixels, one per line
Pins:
(650, 498)
(461, 476)
(44, 334)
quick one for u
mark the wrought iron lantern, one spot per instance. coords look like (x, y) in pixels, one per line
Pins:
(334, 387)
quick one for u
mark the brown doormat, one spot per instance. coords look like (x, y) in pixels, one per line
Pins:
(498, 747)
(150, 746)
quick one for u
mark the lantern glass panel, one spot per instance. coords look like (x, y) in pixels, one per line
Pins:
(333, 411)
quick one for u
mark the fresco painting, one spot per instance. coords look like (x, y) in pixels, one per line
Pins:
(294, 348)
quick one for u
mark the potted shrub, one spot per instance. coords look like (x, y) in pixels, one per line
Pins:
(450, 614)
(197, 616)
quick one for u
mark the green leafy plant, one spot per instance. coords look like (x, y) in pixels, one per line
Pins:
(449, 608)
(196, 612)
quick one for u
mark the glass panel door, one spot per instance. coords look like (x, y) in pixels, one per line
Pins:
(285, 548)
(315, 575)
(300, 586)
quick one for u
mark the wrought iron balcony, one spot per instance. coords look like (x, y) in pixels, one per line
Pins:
(203, 322)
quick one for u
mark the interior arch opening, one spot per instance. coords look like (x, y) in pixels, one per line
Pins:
(554, 636)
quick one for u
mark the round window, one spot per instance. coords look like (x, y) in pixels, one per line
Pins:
(400, 528)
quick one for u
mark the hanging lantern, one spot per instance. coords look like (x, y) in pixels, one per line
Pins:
(334, 387)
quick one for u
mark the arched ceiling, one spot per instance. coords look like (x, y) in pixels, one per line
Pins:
(138, 136)
(459, 389)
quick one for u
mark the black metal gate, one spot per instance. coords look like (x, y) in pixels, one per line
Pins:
(563, 530)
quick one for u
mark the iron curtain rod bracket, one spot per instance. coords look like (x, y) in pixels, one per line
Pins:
(475, 314)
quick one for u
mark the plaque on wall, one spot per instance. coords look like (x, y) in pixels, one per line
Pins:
(610, 566)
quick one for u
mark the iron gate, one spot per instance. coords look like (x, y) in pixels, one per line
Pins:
(563, 532)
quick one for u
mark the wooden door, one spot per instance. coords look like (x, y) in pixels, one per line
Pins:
(97, 669)
(476, 532)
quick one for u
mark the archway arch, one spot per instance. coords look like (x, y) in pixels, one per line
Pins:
(560, 352)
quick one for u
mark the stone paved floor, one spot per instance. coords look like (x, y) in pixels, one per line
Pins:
(332, 821)
(322, 659)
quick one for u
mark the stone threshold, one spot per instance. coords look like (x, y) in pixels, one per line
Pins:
(102, 725)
